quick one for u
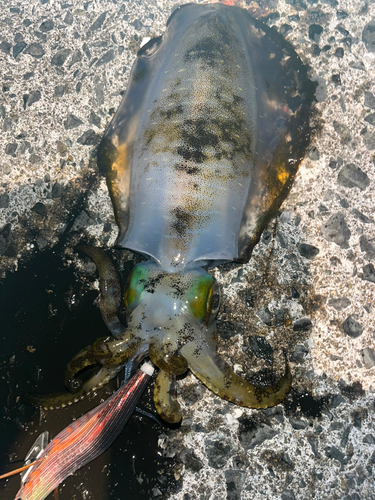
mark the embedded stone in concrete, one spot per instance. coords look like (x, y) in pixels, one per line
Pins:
(362, 217)
(72, 122)
(352, 327)
(369, 100)
(368, 36)
(302, 324)
(18, 48)
(5, 47)
(35, 50)
(339, 303)
(98, 23)
(308, 251)
(369, 273)
(40, 209)
(351, 176)
(367, 246)
(368, 138)
(265, 315)
(4, 200)
(46, 26)
(218, 451)
(106, 58)
(336, 230)
(60, 57)
(368, 355)
(342, 130)
(89, 138)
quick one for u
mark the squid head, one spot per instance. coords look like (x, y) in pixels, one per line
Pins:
(175, 315)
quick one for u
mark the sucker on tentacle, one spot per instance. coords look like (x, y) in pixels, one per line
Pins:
(59, 400)
(104, 375)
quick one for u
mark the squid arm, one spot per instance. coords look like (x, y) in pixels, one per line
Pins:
(108, 351)
(110, 289)
(104, 375)
(165, 397)
(218, 376)
(60, 400)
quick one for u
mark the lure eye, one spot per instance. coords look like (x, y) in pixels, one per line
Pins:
(134, 288)
(204, 299)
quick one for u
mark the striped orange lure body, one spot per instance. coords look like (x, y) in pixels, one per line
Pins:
(84, 439)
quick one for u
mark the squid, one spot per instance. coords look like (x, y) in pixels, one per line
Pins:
(199, 156)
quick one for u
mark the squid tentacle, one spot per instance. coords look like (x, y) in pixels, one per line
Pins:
(110, 289)
(84, 359)
(104, 375)
(60, 400)
(165, 397)
(113, 351)
(218, 376)
(170, 363)
(107, 351)
(165, 391)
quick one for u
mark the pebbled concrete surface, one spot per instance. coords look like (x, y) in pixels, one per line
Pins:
(310, 286)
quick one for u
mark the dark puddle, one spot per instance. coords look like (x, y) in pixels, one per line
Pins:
(47, 315)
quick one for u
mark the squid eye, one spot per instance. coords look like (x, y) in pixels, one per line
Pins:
(215, 303)
(204, 299)
(135, 287)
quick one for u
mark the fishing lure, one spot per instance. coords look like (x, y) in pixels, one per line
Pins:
(199, 156)
(84, 439)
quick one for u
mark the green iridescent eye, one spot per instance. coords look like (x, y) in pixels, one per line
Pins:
(134, 288)
(204, 299)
